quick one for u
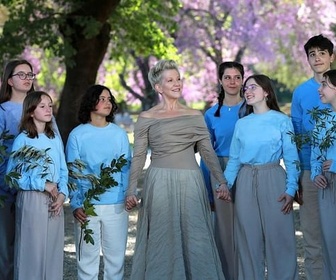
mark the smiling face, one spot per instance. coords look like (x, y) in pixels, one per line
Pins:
(253, 93)
(327, 92)
(232, 81)
(171, 84)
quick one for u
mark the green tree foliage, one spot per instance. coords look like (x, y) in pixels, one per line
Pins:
(80, 33)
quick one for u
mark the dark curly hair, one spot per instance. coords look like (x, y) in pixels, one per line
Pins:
(89, 101)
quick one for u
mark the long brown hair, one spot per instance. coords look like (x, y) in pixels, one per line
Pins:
(31, 101)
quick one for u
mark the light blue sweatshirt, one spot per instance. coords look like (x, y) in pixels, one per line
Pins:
(56, 171)
(305, 98)
(261, 139)
(318, 156)
(95, 146)
(10, 115)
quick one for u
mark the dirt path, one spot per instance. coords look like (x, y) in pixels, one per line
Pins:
(70, 272)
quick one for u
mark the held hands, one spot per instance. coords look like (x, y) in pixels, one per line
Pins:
(223, 192)
(287, 206)
(131, 202)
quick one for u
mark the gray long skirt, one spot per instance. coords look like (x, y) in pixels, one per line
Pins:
(39, 238)
(174, 234)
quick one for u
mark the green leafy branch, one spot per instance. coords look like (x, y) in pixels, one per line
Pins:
(28, 158)
(319, 117)
(3, 154)
(99, 185)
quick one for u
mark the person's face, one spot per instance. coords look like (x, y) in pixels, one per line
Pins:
(253, 93)
(327, 91)
(171, 84)
(18, 84)
(104, 106)
(44, 110)
(319, 60)
(231, 81)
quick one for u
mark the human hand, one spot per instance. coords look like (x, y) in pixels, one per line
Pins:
(80, 215)
(131, 202)
(320, 181)
(326, 165)
(287, 206)
(51, 188)
(223, 192)
(56, 206)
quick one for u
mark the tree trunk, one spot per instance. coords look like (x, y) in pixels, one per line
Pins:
(82, 70)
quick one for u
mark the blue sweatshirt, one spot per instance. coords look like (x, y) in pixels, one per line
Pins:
(56, 170)
(10, 115)
(318, 156)
(260, 139)
(305, 98)
(95, 146)
(221, 130)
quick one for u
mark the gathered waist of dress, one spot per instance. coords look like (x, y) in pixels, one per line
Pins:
(182, 160)
(262, 166)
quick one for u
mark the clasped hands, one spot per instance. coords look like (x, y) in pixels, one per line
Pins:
(57, 198)
(223, 192)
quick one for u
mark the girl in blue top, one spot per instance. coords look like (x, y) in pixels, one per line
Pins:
(39, 222)
(323, 172)
(264, 221)
(98, 141)
(16, 82)
(221, 120)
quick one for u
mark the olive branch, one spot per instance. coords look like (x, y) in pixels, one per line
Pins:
(322, 120)
(3, 154)
(99, 185)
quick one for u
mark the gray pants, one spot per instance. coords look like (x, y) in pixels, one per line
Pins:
(39, 238)
(327, 203)
(224, 235)
(310, 224)
(7, 228)
(263, 233)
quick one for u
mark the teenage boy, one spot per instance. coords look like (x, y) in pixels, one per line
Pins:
(319, 51)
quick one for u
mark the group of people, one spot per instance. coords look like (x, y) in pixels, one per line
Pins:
(243, 141)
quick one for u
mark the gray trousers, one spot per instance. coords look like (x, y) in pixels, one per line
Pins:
(7, 229)
(265, 237)
(39, 238)
(327, 203)
(224, 235)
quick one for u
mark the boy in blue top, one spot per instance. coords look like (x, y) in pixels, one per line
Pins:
(98, 141)
(323, 173)
(319, 51)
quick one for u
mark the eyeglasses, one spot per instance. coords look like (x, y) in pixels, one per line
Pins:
(23, 75)
(252, 87)
(324, 84)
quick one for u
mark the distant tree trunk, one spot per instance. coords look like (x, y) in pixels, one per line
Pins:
(82, 70)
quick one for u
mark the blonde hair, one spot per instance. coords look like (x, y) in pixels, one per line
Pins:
(155, 73)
